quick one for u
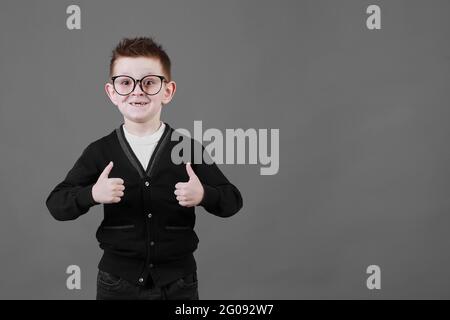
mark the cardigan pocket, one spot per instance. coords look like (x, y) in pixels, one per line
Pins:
(124, 227)
(121, 240)
(178, 228)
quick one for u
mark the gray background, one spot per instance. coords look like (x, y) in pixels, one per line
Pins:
(363, 116)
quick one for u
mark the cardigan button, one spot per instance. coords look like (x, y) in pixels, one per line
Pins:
(141, 280)
(147, 183)
(149, 215)
(152, 243)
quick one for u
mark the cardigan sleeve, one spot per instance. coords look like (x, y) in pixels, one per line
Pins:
(220, 197)
(72, 197)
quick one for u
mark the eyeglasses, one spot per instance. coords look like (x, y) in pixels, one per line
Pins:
(151, 84)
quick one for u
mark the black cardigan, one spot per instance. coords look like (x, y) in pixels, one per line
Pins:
(147, 233)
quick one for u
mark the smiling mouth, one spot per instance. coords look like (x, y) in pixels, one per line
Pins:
(138, 104)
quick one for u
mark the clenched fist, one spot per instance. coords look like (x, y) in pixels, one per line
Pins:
(108, 190)
(189, 193)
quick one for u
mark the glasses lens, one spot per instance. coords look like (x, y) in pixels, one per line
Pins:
(123, 85)
(151, 85)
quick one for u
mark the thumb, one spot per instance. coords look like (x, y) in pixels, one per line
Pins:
(106, 171)
(190, 172)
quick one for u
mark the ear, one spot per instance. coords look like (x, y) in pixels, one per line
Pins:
(110, 92)
(169, 92)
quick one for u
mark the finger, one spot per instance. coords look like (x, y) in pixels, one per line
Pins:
(118, 194)
(106, 171)
(118, 181)
(119, 187)
(116, 199)
(190, 172)
(181, 198)
(183, 203)
(180, 185)
(179, 192)
(186, 203)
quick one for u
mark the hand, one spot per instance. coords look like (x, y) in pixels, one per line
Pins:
(189, 194)
(108, 190)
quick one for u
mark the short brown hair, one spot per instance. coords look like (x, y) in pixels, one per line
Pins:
(141, 47)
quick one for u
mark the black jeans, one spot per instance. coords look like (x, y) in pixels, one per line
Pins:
(111, 287)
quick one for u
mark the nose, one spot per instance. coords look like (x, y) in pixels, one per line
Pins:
(137, 90)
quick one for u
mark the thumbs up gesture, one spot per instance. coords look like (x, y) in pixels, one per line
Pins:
(108, 190)
(189, 193)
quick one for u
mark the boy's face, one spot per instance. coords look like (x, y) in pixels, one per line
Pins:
(138, 68)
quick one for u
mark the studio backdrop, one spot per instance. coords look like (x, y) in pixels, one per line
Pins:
(345, 166)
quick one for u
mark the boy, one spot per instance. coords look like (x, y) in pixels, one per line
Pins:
(149, 202)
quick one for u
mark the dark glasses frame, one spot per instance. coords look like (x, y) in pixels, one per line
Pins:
(135, 81)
